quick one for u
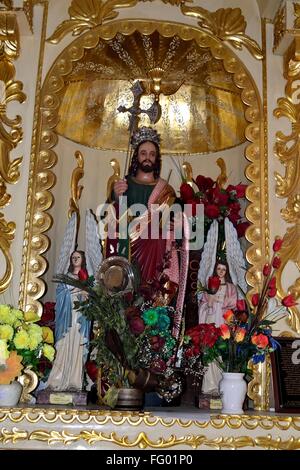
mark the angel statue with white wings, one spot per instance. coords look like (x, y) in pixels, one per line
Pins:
(72, 329)
(230, 271)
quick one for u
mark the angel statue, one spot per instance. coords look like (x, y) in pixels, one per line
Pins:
(231, 273)
(72, 329)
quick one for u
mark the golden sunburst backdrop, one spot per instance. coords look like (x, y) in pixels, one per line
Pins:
(201, 107)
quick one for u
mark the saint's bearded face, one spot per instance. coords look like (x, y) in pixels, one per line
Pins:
(147, 157)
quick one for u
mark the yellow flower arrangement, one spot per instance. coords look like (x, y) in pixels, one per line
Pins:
(23, 343)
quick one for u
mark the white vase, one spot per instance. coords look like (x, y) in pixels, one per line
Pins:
(233, 388)
(10, 394)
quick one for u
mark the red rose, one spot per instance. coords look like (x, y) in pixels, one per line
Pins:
(204, 183)
(267, 269)
(157, 343)
(158, 366)
(272, 292)
(132, 312)
(234, 217)
(48, 314)
(241, 228)
(272, 283)
(255, 300)
(241, 305)
(276, 262)
(83, 275)
(241, 317)
(220, 198)
(240, 190)
(186, 192)
(212, 211)
(234, 207)
(92, 370)
(289, 301)
(213, 284)
(136, 325)
(277, 244)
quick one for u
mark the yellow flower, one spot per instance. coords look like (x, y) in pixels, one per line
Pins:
(5, 314)
(48, 335)
(6, 332)
(21, 340)
(48, 352)
(35, 336)
(31, 316)
(13, 368)
(4, 354)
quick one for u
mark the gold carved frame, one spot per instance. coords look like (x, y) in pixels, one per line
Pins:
(44, 158)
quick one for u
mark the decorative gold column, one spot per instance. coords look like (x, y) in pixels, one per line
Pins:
(10, 133)
(287, 150)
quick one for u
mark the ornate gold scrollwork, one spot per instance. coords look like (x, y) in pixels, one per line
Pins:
(228, 24)
(10, 132)
(28, 10)
(143, 441)
(86, 14)
(29, 380)
(288, 185)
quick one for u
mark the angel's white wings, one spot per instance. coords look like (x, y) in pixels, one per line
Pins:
(208, 258)
(68, 246)
(93, 251)
(235, 257)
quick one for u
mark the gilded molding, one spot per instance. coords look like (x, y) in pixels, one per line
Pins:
(227, 24)
(136, 419)
(280, 26)
(297, 15)
(288, 185)
(28, 6)
(10, 133)
(38, 199)
(86, 14)
(143, 441)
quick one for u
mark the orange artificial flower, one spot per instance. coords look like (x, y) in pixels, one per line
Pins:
(228, 316)
(13, 369)
(225, 331)
(260, 340)
(239, 334)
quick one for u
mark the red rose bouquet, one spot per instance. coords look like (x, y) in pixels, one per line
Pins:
(218, 202)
